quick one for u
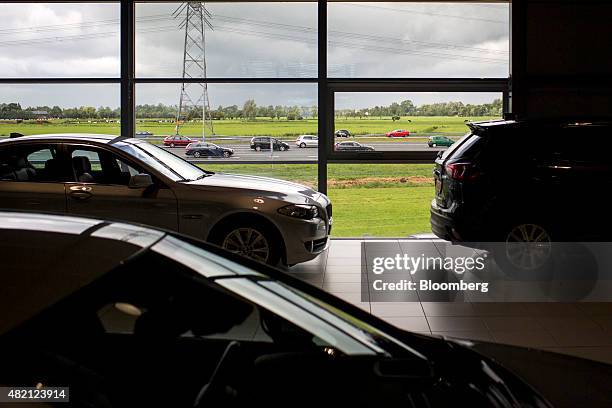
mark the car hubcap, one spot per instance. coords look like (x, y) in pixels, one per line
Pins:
(248, 242)
(528, 246)
(197, 154)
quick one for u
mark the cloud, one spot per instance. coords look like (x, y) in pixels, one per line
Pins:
(257, 39)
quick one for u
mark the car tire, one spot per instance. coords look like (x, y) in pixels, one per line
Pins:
(197, 154)
(517, 259)
(258, 148)
(227, 238)
(226, 154)
(302, 145)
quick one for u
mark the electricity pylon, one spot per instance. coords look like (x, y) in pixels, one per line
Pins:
(195, 19)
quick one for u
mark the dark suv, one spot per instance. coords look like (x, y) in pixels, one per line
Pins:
(263, 143)
(524, 181)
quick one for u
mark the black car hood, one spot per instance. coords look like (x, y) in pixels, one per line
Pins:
(565, 381)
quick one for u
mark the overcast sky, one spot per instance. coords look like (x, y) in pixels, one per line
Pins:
(253, 40)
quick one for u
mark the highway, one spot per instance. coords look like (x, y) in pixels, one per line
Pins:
(242, 152)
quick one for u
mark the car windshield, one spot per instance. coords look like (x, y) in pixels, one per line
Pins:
(163, 161)
(330, 324)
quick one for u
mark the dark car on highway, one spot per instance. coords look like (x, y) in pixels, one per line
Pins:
(203, 149)
(129, 316)
(129, 179)
(352, 147)
(524, 181)
(342, 133)
(263, 143)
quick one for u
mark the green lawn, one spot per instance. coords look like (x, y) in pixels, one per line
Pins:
(423, 125)
(383, 200)
(381, 212)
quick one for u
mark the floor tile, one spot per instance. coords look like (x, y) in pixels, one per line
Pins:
(595, 308)
(448, 309)
(552, 309)
(569, 336)
(400, 309)
(512, 323)
(343, 277)
(524, 338)
(575, 323)
(456, 323)
(498, 309)
(342, 286)
(413, 323)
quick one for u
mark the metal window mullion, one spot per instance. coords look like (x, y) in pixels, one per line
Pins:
(323, 108)
(128, 103)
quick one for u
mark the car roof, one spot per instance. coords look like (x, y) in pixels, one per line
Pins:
(59, 137)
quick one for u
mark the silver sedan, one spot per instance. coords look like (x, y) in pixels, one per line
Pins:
(110, 177)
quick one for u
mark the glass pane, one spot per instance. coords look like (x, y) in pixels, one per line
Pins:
(407, 122)
(59, 40)
(419, 40)
(243, 121)
(380, 200)
(40, 109)
(249, 39)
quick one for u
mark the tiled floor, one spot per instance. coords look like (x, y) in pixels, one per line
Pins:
(581, 329)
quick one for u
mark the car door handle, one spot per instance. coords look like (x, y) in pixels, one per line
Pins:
(80, 192)
(80, 195)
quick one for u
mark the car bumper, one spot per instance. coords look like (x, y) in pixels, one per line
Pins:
(457, 224)
(305, 240)
(443, 224)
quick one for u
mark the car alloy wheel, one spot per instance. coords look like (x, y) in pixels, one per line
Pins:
(171, 144)
(434, 145)
(248, 242)
(197, 154)
(282, 148)
(258, 148)
(528, 246)
(226, 154)
(302, 145)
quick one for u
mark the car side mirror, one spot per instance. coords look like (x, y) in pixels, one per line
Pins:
(140, 181)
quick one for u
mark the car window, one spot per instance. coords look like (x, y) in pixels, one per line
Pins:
(32, 163)
(94, 165)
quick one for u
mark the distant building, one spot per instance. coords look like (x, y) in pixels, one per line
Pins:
(40, 114)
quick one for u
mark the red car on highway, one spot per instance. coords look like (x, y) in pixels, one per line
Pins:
(174, 141)
(398, 133)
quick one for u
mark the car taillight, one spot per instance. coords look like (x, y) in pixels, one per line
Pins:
(462, 171)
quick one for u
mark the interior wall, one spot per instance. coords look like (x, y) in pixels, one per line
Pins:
(561, 58)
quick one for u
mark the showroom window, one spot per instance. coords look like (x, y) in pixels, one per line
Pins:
(355, 99)
(60, 68)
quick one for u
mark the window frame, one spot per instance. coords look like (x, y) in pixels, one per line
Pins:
(326, 88)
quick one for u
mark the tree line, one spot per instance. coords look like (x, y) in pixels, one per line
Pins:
(408, 108)
(250, 111)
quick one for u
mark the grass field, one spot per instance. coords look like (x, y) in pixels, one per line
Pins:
(280, 128)
(383, 200)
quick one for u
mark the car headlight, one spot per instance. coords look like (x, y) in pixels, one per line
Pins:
(304, 212)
